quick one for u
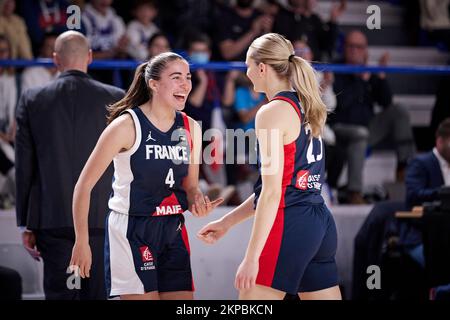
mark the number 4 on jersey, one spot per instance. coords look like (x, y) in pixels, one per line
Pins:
(169, 179)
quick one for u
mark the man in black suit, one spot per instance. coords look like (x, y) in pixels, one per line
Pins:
(428, 172)
(57, 128)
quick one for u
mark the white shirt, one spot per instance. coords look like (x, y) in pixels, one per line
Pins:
(103, 31)
(36, 77)
(445, 167)
(138, 34)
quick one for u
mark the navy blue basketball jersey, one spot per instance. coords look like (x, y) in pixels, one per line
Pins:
(304, 163)
(148, 177)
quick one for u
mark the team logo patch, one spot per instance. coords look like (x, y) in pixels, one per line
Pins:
(302, 180)
(149, 138)
(146, 254)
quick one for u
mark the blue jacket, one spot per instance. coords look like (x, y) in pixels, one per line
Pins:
(423, 179)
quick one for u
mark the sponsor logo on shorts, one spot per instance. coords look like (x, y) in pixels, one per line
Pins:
(147, 259)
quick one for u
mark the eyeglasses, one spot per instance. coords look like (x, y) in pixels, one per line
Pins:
(355, 46)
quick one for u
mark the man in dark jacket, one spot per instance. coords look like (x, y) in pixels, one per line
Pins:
(428, 172)
(57, 128)
(355, 123)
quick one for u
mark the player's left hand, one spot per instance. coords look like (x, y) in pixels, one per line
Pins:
(202, 206)
(246, 274)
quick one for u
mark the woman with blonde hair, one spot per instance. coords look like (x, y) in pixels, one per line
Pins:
(293, 242)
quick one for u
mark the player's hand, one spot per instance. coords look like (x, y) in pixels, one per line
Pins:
(213, 231)
(202, 206)
(246, 274)
(81, 260)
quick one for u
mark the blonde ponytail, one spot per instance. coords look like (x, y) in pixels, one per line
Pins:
(276, 51)
(304, 81)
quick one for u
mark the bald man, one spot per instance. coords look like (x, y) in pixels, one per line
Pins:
(57, 127)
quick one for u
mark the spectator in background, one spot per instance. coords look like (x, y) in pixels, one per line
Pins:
(106, 33)
(231, 118)
(435, 20)
(158, 43)
(247, 102)
(355, 124)
(8, 94)
(270, 7)
(300, 22)
(14, 28)
(180, 18)
(8, 101)
(44, 16)
(140, 30)
(428, 172)
(206, 91)
(238, 27)
(105, 30)
(204, 103)
(241, 103)
(39, 75)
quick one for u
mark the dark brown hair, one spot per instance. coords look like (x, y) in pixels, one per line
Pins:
(443, 131)
(139, 92)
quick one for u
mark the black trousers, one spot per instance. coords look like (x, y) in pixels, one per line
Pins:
(55, 246)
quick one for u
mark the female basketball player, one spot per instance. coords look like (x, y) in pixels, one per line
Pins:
(293, 242)
(155, 181)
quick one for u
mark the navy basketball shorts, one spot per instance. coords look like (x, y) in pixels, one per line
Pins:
(299, 254)
(145, 254)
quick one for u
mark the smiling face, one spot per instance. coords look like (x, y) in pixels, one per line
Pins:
(174, 84)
